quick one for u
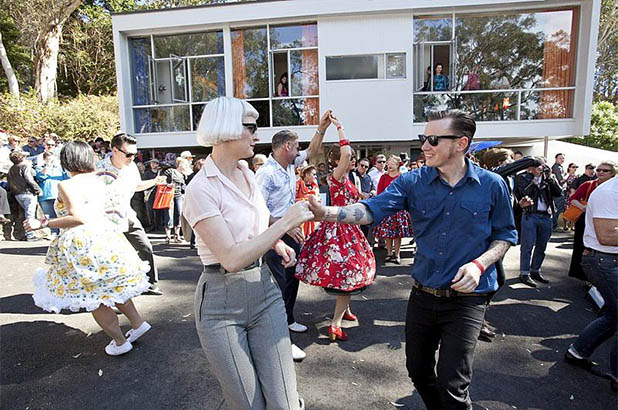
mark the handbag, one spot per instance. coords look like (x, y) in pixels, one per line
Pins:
(573, 213)
(163, 197)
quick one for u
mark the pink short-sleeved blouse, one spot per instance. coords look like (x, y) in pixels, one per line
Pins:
(210, 194)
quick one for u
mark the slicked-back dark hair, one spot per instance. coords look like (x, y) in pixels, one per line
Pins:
(462, 123)
(121, 138)
(282, 137)
(77, 156)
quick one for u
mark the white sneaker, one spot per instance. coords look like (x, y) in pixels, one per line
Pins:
(134, 334)
(297, 353)
(297, 327)
(113, 349)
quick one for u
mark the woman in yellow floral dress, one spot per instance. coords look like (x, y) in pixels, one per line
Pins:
(91, 265)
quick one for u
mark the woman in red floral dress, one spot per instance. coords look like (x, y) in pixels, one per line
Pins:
(337, 256)
(398, 225)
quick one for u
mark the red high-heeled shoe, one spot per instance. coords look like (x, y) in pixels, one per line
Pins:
(335, 333)
(349, 316)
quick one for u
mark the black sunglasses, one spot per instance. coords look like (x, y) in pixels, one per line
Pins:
(381, 161)
(435, 139)
(127, 154)
(252, 127)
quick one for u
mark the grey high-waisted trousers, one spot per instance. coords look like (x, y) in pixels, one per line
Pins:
(242, 326)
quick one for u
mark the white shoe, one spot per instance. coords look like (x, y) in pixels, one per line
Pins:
(113, 349)
(297, 327)
(134, 334)
(297, 353)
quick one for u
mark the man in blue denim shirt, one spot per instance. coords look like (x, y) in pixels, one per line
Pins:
(463, 223)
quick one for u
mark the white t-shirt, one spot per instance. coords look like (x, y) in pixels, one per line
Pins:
(375, 176)
(603, 203)
(210, 194)
(120, 185)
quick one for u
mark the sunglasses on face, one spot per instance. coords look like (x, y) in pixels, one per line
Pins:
(363, 165)
(252, 127)
(603, 170)
(127, 154)
(381, 162)
(434, 140)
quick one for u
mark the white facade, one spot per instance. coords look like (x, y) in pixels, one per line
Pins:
(374, 111)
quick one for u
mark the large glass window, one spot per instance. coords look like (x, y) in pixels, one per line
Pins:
(169, 74)
(526, 58)
(365, 67)
(276, 70)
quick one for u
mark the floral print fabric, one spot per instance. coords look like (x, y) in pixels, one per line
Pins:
(336, 255)
(90, 265)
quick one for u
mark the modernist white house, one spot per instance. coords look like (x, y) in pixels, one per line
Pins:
(524, 68)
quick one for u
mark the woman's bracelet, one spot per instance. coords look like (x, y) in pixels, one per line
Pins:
(344, 142)
(44, 222)
(340, 127)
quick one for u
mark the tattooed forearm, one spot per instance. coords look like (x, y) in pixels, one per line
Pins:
(357, 214)
(496, 250)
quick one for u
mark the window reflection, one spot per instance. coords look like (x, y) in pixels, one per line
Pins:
(536, 105)
(433, 28)
(483, 106)
(250, 63)
(288, 112)
(293, 36)
(141, 68)
(192, 44)
(162, 119)
(207, 78)
(304, 72)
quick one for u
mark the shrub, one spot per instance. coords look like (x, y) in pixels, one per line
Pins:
(84, 117)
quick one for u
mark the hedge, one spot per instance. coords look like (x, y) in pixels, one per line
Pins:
(84, 117)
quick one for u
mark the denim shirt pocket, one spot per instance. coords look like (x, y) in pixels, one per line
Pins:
(474, 215)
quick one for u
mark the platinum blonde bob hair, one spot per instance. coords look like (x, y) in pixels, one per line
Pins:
(222, 120)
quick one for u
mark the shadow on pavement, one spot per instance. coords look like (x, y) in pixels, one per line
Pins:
(36, 251)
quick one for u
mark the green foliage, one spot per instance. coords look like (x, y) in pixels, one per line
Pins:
(606, 78)
(18, 54)
(83, 118)
(603, 127)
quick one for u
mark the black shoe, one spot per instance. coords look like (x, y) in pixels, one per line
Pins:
(153, 290)
(586, 364)
(538, 277)
(486, 334)
(525, 279)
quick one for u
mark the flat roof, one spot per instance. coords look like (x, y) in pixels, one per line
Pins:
(199, 6)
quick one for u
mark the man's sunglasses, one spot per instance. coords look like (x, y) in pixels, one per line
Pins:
(251, 127)
(603, 170)
(127, 154)
(435, 139)
(381, 162)
(363, 165)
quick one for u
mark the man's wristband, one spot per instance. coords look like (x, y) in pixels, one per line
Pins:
(478, 264)
(320, 133)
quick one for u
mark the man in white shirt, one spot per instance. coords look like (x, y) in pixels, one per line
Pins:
(600, 263)
(121, 177)
(378, 170)
(277, 180)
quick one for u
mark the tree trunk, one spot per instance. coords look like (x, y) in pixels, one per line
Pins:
(46, 52)
(8, 70)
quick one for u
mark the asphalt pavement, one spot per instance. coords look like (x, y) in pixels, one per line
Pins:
(56, 361)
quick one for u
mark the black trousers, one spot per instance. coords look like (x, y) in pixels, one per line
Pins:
(285, 277)
(453, 325)
(138, 239)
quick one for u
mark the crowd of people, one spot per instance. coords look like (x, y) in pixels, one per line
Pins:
(261, 229)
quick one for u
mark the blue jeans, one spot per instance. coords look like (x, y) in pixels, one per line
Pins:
(47, 205)
(535, 233)
(602, 271)
(171, 216)
(559, 203)
(29, 203)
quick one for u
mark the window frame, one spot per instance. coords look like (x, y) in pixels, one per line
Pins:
(384, 59)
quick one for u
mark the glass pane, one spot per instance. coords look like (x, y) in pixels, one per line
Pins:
(537, 105)
(179, 81)
(297, 36)
(515, 50)
(207, 78)
(484, 106)
(197, 114)
(352, 67)
(304, 72)
(161, 119)
(263, 108)
(164, 82)
(433, 29)
(396, 65)
(250, 63)
(141, 75)
(193, 44)
(305, 111)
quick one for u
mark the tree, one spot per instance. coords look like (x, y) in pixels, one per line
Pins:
(606, 79)
(8, 70)
(16, 60)
(603, 127)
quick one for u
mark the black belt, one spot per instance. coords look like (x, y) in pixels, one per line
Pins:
(539, 213)
(443, 293)
(254, 264)
(593, 252)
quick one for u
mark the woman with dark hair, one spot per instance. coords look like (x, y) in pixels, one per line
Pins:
(282, 87)
(307, 186)
(91, 265)
(570, 190)
(171, 218)
(440, 81)
(337, 256)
